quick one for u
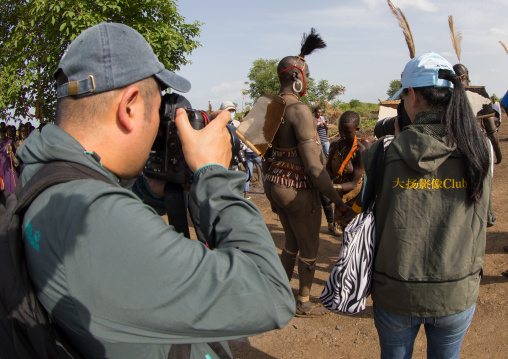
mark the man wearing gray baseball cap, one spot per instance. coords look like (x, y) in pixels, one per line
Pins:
(116, 279)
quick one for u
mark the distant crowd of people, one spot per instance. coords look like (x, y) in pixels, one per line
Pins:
(11, 139)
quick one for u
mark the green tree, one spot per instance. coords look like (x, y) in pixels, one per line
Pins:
(35, 33)
(395, 86)
(364, 109)
(244, 94)
(323, 92)
(355, 103)
(263, 78)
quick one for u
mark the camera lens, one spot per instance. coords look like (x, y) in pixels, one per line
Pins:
(385, 127)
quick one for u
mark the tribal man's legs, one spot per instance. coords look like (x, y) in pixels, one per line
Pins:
(300, 214)
(290, 250)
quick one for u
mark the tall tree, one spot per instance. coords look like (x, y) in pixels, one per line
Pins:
(323, 92)
(244, 94)
(394, 86)
(263, 78)
(35, 33)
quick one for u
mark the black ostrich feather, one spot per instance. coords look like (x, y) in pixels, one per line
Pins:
(311, 42)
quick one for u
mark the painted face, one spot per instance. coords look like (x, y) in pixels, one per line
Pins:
(347, 131)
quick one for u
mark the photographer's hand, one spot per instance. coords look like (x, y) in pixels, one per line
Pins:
(209, 145)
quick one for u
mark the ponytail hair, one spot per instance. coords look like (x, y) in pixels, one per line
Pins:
(463, 130)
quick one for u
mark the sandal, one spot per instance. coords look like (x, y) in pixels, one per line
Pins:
(315, 311)
(333, 229)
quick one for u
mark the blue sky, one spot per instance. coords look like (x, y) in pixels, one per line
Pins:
(366, 48)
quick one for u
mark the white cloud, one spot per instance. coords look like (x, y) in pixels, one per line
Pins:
(447, 54)
(373, 4)
(424, 5)
(497, 31)
(225, 87)
(345, 17)
(230, 91)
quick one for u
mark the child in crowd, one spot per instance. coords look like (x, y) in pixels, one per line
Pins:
(344, 164)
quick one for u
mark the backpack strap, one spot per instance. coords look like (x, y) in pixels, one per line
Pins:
(52, 174)
(26, 330)
(375, 173)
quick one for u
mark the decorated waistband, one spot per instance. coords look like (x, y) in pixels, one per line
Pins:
(286, 152)
(288, 174)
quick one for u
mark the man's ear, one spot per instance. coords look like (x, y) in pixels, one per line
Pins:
(130, 107)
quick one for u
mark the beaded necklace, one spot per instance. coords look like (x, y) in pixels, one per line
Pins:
(289, 93)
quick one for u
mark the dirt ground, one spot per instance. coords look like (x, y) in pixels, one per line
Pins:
(342, 336)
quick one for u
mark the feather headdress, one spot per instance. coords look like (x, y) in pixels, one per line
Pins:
(311, 42)
(505, 48)
(405, 28)
(456, 37)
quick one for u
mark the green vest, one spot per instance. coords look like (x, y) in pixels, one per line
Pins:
(430, 238)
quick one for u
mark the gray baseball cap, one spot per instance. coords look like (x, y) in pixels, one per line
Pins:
(108, 56)
(227, 105)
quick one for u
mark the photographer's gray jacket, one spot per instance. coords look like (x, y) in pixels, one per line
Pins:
(124, 284)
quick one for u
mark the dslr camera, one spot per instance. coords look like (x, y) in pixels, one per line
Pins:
(386, 126)
(166, 161)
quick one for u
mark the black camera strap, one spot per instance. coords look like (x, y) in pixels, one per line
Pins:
(175, 208)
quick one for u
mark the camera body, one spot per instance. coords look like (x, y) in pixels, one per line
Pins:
(386, 126)
(166, 160)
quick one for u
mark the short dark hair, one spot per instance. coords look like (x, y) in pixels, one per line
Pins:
(350, 117)
(10, 131)
(95, 105)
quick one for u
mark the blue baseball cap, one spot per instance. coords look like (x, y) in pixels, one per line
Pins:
(504, 101)
(109, 56)
(423, 71)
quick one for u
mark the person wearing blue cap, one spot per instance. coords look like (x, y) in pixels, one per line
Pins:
(431, 215)
(114, 277)
(504, 102)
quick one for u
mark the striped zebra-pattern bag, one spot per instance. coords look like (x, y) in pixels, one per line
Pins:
(350, 281)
